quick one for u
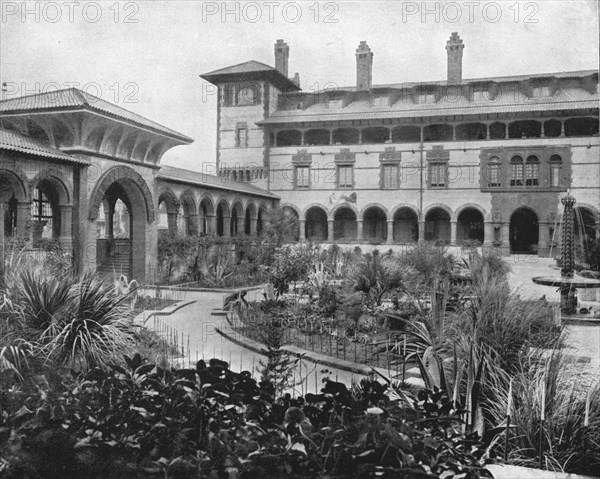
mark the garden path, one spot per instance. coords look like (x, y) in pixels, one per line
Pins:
(197, 321)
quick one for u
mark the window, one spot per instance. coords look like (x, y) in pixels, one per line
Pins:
(516, 171)
(532, 171)
(390, 177)
(438, 175)
(555, 170)
(241, 137)
(302, 177)
(41, 216)
(426, 97)
(493, 172)
(235, 94)
(344, 176)
(245, 96)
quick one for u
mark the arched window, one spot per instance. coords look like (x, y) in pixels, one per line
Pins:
(555, 170)
(42, 216)
(245, 96)
(516, 171)
(532, 171)
(493, 172)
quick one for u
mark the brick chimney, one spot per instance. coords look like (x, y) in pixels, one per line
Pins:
(282, 55)
(296, 79)
(454, 47)
(364, 67)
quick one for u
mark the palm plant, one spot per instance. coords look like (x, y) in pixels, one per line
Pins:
(283, 226)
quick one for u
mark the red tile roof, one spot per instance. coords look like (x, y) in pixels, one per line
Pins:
(73, 98)
(13, 141)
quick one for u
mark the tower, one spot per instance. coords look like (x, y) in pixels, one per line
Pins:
(282, 55)
(364, 66)
(455, 47)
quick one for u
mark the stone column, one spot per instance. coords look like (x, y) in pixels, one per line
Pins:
(172, 222)
(253, 225)
(562, 128)
(23, 217)
(226, 225)
(302, 230)
(211, 224)
(2, 215)
(487, 131)
(543, 239)
(390, 232)
(360, 136)
(488, 234)
(240, 225)
(331, 137)
(505, 239)
(330, 224)
(453, 228)
(108, 223)
(66, 215)
(359, 230)
(193, 226)
(303, 138)
(421, 230)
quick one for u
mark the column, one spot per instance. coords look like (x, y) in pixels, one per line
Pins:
(453, 228)
(488, 234)
(506, 131)
(240, 225)
(226, 225)
(505, 238)
(330, 224)
(421, 231)
(390, 232)
(360, 136)
(23, 218)
(562, 128)
(211, 224)
(359, 230)
(253, 224)
(331, 137)
(302, 230)
(66, 215)
(192, 224)
(303, 138)
(487, 131)
(543, 238)
(2, 213)
(172, 222)
(542, 135)
(453, 132)
(108, 224)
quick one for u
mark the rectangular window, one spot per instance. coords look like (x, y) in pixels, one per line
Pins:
(390, 177)
(554, 175)
(241, 140)
(229, 94)
(302, 177)
(516, 174)
(532, 174)
(493, 175)
(438, 173)
(345, 176)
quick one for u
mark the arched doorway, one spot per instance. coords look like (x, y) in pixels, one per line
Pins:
(524, 232)
(13, 198)
(344, 225)
(315, 228)
(375, 224)
(406, 226)
(437, 225)
(128, 209)
(206, 216)
(469, 226)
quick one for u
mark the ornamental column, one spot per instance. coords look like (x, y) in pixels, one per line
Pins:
(226, 225)
(66, 235)
(330, 224)
(421, 231)
(359, 230)
(390, 232)
(253, 226)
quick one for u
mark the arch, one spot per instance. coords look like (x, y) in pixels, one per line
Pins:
(56, 178)
(63, 134)
(525, 129)
(344, 223)
(38, 131)
(471, 131)
(345, 136)
(126, 145)
(581, 126)
(93, 139)
(524, 231)
(438, 132)
(466, 206)
(128, 176)
(437, 224)
(316, 137)
(375, 134)
(442, 206)
(406, 224)
(469, 225)
(406, 134)
(288, 138)
(14, 191)
(374, 223)
(290, 211)
(237, 216)
(223, 218)
(15, 180)
(350, 206)
(315, 227)
(206, 212)
(190, 213)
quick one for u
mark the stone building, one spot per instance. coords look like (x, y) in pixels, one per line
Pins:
(77, 169)
(460, 161)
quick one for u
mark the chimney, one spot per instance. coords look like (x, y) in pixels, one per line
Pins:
(364, 67)
(296, 79)
(454, 47)
(282, 54)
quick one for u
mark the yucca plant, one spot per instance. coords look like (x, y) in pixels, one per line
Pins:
(96, 327)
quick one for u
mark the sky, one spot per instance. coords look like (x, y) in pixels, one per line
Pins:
(146, 56)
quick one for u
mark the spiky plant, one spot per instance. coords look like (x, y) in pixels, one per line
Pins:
(96, 327)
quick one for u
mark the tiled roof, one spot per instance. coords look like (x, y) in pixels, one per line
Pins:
(73, 98)
(246, 67)
(251, 70)
(210, 181)
(13, 141)
(512, 101)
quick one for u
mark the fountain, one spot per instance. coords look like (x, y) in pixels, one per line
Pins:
(567, 282)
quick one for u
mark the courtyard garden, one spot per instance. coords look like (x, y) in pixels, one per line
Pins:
(465, 372)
